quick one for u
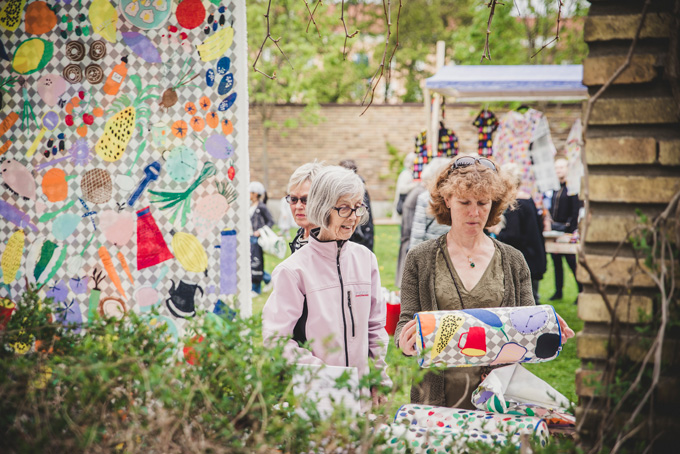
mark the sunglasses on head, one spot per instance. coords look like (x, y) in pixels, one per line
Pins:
(466, 161)
(294, 200)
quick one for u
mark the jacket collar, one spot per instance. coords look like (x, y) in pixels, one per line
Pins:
(325, 248)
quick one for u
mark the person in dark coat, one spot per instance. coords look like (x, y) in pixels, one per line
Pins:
(259, 217)
(363, 233)
(523, 231)
(564, 210)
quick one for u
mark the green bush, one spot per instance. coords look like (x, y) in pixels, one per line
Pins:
(123, 386)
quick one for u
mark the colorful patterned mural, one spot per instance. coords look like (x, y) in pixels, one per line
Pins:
(123, 140)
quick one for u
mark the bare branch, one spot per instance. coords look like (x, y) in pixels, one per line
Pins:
(487, 50)
(557, 32)
(276, 43)
(381, 68)
(344, 24)
(311, 17)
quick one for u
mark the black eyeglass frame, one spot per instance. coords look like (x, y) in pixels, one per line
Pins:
(352, 210)
(472, 160)
(292, 200)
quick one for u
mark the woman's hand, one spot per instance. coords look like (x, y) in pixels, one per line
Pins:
(407, 338)
(567, 332)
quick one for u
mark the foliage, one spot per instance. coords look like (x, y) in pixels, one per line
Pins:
(315, 70)
(311, 67)
(121, 386)
(516, 36)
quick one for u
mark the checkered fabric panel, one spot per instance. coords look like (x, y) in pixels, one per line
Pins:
(521, 326)
(181, 61)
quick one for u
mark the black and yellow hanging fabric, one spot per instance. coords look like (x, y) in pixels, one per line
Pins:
(447, 146)
(486, 123)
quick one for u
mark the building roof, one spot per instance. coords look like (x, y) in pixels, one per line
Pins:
(509, 82)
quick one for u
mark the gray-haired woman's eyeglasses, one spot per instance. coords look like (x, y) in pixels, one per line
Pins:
(345, 212)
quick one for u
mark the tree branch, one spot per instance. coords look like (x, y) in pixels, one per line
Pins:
(276, 43)
(557, 32)
(344, 25)
(487, 50)
(311, 16)
(381, 68)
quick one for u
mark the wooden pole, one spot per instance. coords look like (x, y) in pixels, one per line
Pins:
(433, 133)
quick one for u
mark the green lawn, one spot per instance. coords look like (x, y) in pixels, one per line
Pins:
(559, 373)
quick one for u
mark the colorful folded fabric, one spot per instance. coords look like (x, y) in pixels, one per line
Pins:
(516, 391)
(444, 428)
(488, 337)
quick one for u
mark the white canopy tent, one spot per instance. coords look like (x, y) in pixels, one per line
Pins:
(509, 83)
(486, 83)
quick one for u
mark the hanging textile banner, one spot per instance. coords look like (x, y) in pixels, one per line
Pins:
(487, 337)
(124, 156)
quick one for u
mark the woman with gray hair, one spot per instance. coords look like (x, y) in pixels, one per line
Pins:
(424, 226)
(298, 194)
(328, 294)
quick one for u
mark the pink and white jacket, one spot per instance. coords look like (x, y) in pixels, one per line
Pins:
(328, 294)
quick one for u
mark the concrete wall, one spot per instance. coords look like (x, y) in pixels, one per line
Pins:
(633, 156)
(345, 134)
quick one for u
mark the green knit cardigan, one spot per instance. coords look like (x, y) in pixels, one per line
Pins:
(417, 295)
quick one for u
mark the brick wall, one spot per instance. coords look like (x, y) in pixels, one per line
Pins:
(633, 154)
(344, 134)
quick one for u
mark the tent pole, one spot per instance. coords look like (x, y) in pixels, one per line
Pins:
(433, 133)
(427, 103)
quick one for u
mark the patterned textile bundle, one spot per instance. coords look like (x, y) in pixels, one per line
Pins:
(488, 337)
(425, 428)
(516, 391)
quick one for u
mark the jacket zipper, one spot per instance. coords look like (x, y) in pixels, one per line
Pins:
(351, 315)
(342, 308)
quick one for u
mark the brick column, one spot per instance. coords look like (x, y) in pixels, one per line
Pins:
(633, 154)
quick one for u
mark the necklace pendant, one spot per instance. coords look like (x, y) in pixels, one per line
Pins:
(472, 264)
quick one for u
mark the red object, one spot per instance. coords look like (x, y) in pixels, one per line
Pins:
(190, 13)
(88, 119)
(189, 351)
(393, 311)
(69, 120)
(151, 246)
(6, 309)
(474, 342)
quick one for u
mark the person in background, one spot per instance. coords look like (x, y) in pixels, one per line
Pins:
(462, 269)
(286, 220)
(523, 230)
(364, 233)
(564, 210)
(405, 183)
(298, 194)
(328, 294)
(259, 217)
(425, 226)
(408, 210)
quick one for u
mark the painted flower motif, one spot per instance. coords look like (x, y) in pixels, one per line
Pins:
(179, 129)
(59, 292)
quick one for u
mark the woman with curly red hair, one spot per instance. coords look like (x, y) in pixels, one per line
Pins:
(463, 269)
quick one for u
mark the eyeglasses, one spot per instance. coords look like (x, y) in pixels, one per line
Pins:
(345, 212)
(465, 161)
(294, 200)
